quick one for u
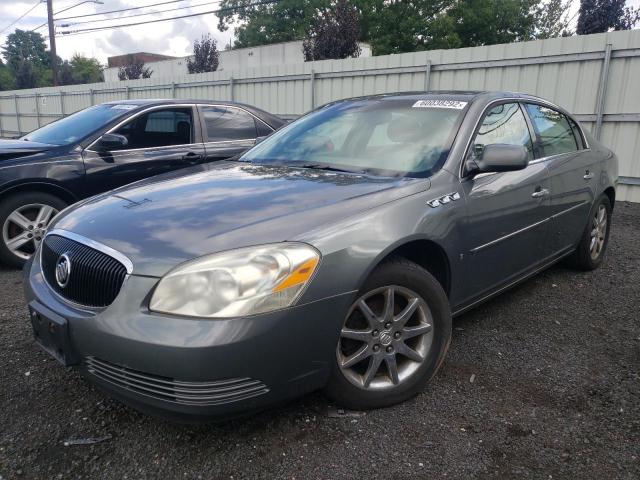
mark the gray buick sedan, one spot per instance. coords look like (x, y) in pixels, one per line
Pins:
(333, 254)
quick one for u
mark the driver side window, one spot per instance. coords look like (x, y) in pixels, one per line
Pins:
(504, 124)
(159, 128)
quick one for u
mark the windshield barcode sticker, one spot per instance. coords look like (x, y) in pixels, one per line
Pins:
(440, 104)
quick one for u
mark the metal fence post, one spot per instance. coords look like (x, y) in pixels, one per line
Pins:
(173, 89)
(15, 102)
(91, 97)
(37, 109)
(602, 91)
(312, 79)
(231, 92)
(1, 98)
(427, 76)
(128, 92)
(62, 103)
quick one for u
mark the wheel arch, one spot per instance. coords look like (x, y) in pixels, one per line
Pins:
(422, 251)
(39, 186)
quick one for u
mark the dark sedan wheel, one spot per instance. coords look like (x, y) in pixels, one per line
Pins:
(24, 219)
(593, 244)
(393, 339)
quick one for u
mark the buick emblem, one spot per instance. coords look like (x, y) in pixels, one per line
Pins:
(63, 270)
(385, 338)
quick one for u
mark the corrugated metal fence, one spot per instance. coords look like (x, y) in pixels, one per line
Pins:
(597, 77)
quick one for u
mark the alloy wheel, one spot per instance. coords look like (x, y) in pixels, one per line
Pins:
(25, 227)
(598, 232)
(386, 337)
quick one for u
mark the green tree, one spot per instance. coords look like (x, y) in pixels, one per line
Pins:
(283, 21)
(390, 26)
(28, 75)
(552, 19)
(7, 80)
(334, 33)
(205, 56)
(85, 70)
(397, 26)
(65, 73)
(25, 46)
(487, 22)
(597, 16)
(28, 59)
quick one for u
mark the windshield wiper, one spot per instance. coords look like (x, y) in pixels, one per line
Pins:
(329, 168)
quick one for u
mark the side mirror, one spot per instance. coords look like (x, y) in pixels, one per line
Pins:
(110, 141)
(498, 158)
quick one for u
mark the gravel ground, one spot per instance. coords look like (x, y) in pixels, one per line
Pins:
(555, 394)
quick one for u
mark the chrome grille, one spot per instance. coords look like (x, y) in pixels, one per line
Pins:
(95, 278)
(167, 389)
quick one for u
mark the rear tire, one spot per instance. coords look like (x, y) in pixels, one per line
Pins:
(24, 218)
(595, 238)
(401, 346)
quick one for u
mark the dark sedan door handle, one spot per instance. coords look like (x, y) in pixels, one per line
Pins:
(540, 192)
(191, 157)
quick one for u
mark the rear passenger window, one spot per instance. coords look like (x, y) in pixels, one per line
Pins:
(504, 124)
(263, 129)
(227, 123)
(554, 130)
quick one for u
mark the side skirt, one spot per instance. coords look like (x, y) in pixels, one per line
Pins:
(512, 284)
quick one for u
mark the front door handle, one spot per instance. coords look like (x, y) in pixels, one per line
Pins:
(541, 192)
(588, 175)
(191, 157)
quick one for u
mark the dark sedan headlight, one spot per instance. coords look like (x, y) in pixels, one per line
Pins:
(240, 282)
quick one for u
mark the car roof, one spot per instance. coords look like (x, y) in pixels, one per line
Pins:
(466, 95)
(271, 119)
(480, 96)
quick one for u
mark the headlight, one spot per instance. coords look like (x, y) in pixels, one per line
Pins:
(239, 282)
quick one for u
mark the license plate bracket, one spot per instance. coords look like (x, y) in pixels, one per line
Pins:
(51, 332)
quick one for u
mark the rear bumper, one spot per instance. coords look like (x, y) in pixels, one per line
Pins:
(190, 369)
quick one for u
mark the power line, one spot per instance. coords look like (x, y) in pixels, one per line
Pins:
(155, 12)
(121, 10)
(220, 10)
(20, 18)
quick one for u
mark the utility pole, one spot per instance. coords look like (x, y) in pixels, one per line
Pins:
(52, 43)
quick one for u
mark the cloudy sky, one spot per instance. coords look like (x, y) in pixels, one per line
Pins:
(169, 38)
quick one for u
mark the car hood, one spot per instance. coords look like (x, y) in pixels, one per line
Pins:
(21, 148)
(161, 222)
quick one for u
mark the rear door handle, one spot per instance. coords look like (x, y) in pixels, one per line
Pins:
(542, 192)
(588, 175)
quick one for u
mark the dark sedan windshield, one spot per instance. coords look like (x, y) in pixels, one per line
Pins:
(396, 137)
(75, 127)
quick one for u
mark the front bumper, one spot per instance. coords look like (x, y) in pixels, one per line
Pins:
(193, 368)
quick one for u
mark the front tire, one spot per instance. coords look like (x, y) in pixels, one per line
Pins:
(595, 238)
(393, 340)
(24, 218)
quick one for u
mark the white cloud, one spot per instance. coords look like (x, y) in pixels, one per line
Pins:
(173, 37)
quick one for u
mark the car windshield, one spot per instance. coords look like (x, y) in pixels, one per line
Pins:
(75, 127)
(386, 136)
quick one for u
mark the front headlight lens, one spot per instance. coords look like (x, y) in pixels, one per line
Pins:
(240, 282)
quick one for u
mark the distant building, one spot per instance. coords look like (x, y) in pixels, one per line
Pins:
(238, 59)
(120, 60)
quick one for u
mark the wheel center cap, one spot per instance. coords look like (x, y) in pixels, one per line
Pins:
(386, 338)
